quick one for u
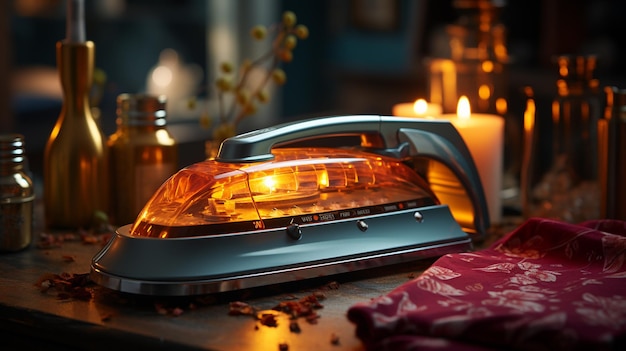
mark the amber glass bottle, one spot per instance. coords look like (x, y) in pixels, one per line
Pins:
(142, 154)
(75, 161)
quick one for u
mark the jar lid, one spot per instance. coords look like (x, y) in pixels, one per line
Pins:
(141, 109)
(11, 148)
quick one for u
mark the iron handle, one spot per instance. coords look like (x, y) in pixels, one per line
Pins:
(256, 146)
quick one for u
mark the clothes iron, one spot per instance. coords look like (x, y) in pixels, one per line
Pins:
(274, 207)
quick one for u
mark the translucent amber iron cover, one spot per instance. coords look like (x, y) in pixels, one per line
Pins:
(301, 185)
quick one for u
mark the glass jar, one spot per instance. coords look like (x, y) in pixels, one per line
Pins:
(561, 164)
(142, 154)
(16, 195)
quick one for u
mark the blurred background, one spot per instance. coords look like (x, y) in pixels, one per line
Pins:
(361, 57)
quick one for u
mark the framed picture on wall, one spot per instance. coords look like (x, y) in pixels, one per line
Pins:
(375, 15)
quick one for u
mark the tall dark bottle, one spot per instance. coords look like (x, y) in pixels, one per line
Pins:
(75, 163)
(561, 162)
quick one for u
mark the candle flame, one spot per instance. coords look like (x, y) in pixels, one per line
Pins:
(463, 110)
(420, 106)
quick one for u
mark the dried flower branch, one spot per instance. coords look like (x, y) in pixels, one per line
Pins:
(236, 82)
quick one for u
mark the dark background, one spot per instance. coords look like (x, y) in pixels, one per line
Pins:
(343, 67)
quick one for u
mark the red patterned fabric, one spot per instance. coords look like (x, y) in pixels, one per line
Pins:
(547, 285)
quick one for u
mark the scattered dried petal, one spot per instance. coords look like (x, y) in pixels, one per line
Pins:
(69, 258)
(90, 239)
(160, 309)
(238, 308)
(81, 294)
(63, 296)
(268, 319)
(304, 307)
(177, 311)
(333, 285)
(294, 327)
(67, 285)
(334, 339)
(45, 280)
(312, 318)
(319, 296)
(45, 285)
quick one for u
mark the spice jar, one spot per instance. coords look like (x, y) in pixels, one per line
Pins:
(16, 195)
(561, 164)
(142, 154)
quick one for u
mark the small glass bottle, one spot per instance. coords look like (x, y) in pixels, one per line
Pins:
(142, 154)
(75, 159)
(563, 164)
(16, 195)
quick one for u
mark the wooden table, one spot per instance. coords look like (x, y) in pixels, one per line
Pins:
(32, 319)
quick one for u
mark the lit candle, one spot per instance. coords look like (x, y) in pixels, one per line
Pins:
(484, 136)
(419, 108)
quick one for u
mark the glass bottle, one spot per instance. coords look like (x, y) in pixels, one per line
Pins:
(612, 132)
(16, 195)
(562, 180)
(75, 159)
(142, 154)
(473, 61)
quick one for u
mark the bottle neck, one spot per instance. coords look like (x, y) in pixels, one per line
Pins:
(141, 112)
(75, 63)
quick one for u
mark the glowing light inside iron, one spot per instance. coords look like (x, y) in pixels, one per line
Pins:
(270, 183)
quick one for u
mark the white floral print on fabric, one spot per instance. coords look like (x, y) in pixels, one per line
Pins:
(607, 312)
(547, 285)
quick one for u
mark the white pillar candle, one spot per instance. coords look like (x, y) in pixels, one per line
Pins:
(484, 136)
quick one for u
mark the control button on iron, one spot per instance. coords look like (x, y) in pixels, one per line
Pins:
(361, 225)
(294, 231)
(418, 217)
